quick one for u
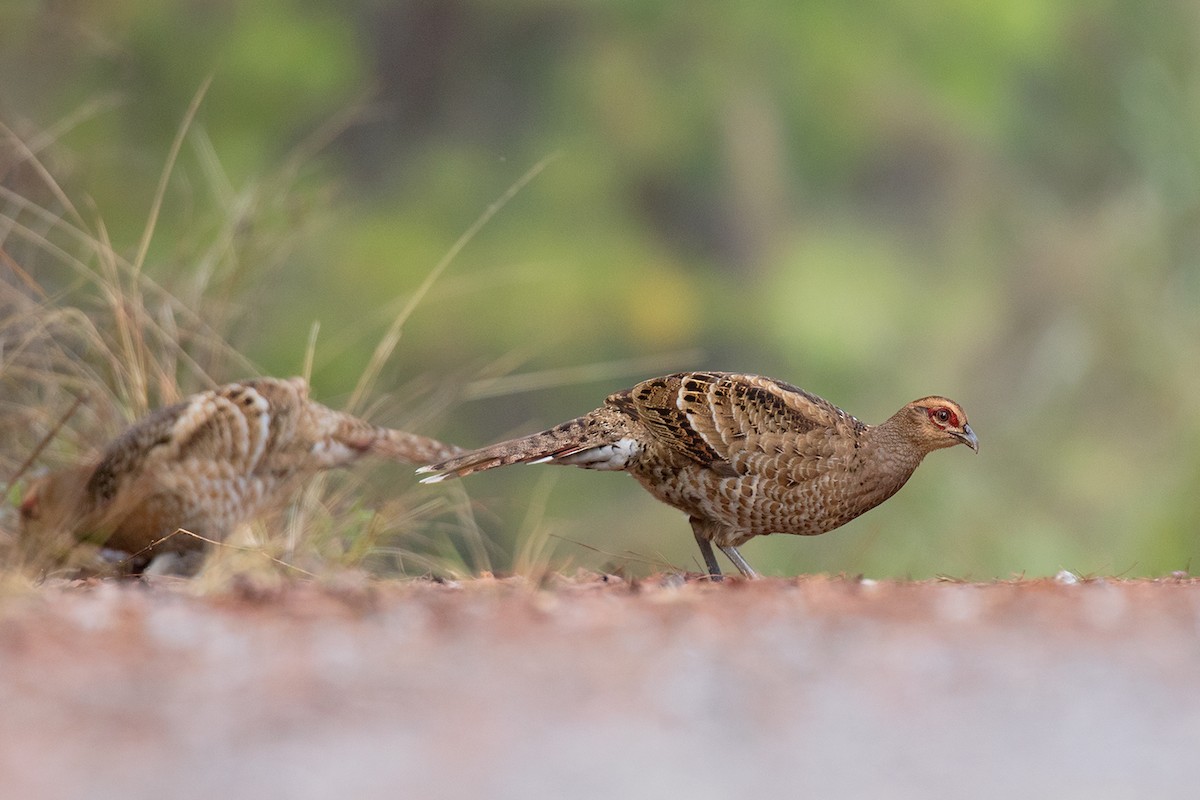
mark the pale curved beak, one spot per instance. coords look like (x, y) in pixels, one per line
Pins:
(969, 438)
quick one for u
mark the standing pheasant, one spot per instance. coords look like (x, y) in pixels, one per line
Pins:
(205, 465)
(741, 455)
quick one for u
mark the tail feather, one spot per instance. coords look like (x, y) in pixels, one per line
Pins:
(351, 438)
(412, 448)
(600, 429)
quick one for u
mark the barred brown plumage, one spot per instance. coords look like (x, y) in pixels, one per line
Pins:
(742, 455)
(205, 465)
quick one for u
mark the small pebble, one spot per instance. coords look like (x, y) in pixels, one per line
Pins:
(673, 580)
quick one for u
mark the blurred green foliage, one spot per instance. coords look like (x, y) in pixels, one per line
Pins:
(997, 202)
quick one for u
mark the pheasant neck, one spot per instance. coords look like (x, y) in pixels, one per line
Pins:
(896, 453)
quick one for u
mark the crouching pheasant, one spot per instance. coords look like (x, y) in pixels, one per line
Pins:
(741, 455)
(205, 465)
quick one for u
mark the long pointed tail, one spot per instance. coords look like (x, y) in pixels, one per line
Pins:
(345, 438)
(599, 440)
(411, 448)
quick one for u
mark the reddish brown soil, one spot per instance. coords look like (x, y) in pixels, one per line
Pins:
(817, 687)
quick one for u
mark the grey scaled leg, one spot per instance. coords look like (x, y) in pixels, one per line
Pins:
(706, 550)
(739, 562)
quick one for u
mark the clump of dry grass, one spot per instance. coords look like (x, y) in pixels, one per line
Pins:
(89, 342)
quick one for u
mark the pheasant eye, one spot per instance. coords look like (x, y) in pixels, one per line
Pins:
(943, 416)
(29, 508)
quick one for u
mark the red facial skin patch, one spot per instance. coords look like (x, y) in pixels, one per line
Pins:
(943, 417)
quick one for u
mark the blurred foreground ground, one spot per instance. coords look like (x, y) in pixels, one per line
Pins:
(817, 687)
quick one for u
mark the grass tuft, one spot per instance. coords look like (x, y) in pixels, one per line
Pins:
(90, 341)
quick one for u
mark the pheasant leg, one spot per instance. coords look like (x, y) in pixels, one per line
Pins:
(710, 558)
(739, 562)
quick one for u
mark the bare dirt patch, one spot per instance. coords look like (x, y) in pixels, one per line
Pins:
(598, 688)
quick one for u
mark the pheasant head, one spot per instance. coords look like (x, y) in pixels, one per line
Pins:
(932, 423)
(53, 507)
(55, 501)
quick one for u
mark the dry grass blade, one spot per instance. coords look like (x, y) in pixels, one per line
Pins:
(27, 152)
(585, 373)
(214, 543)
(658, 563)
(164, 178)
(534, 550)
(391, 337)
(49, 437)
(310, 350)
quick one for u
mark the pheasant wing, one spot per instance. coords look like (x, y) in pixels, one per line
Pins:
(725, 420)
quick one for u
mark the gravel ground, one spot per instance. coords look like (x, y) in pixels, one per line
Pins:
(818, 687)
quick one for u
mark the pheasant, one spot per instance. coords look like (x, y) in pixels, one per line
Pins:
(205, 465)
(741, 455)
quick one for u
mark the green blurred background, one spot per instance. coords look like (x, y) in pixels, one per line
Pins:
(876, 201)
